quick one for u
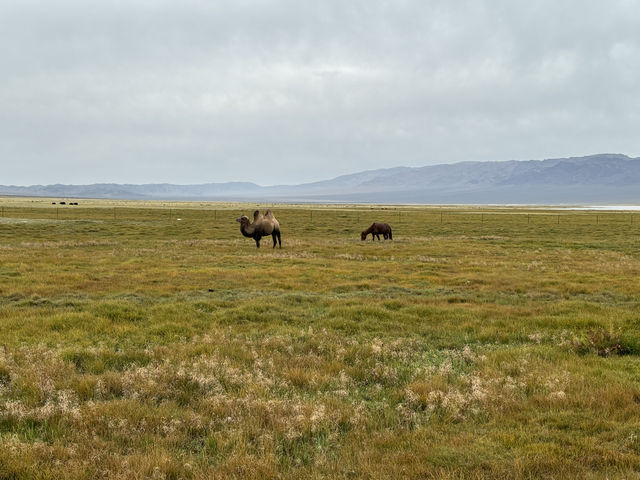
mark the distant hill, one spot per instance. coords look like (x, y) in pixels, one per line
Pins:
(604, 178)
(127, 191)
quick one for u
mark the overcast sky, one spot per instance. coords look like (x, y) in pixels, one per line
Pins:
(198, 91)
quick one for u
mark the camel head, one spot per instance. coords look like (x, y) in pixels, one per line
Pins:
(363, 236)
(244, 220)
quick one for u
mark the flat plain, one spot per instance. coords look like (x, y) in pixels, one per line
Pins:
(151, 340)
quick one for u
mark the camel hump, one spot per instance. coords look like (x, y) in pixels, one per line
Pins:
(269, 214)
(256, 215)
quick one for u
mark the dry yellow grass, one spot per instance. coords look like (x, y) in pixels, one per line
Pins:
(480, 343)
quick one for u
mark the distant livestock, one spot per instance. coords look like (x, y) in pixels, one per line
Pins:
(262, 226)
(375, 230)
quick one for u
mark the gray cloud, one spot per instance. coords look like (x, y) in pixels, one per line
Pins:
(292, 91)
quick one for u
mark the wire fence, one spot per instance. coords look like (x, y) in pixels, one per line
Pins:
(358, 214)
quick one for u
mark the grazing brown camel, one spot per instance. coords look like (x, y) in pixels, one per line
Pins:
(262, 226)
(375, 230)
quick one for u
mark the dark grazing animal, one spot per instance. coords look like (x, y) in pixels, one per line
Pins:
(375, 230)
(262, 226)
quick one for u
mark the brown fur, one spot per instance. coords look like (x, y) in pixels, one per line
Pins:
(262, 226)
(375, 230)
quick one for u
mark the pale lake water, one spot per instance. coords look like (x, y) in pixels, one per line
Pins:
(628, 208)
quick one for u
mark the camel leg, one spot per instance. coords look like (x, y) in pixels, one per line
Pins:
(279, 239)
(257, 242)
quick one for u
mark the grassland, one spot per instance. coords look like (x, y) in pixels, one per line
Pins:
(151, 340)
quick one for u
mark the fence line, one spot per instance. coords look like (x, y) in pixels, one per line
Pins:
(317, 215)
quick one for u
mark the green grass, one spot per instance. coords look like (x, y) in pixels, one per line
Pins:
(152, 340)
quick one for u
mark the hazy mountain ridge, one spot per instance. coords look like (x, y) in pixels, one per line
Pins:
(604, 169)
(610, 178)
(130, 191)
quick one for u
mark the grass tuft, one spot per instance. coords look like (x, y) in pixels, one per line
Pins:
(606, 342)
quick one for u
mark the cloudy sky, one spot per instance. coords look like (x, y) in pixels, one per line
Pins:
(197, 91)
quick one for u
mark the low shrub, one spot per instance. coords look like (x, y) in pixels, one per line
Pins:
(605, 343)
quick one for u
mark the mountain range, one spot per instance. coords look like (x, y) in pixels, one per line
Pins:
(602, 178)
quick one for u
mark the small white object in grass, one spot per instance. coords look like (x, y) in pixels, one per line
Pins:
(178, 219)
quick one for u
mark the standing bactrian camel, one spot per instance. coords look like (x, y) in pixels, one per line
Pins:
(262, 226)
